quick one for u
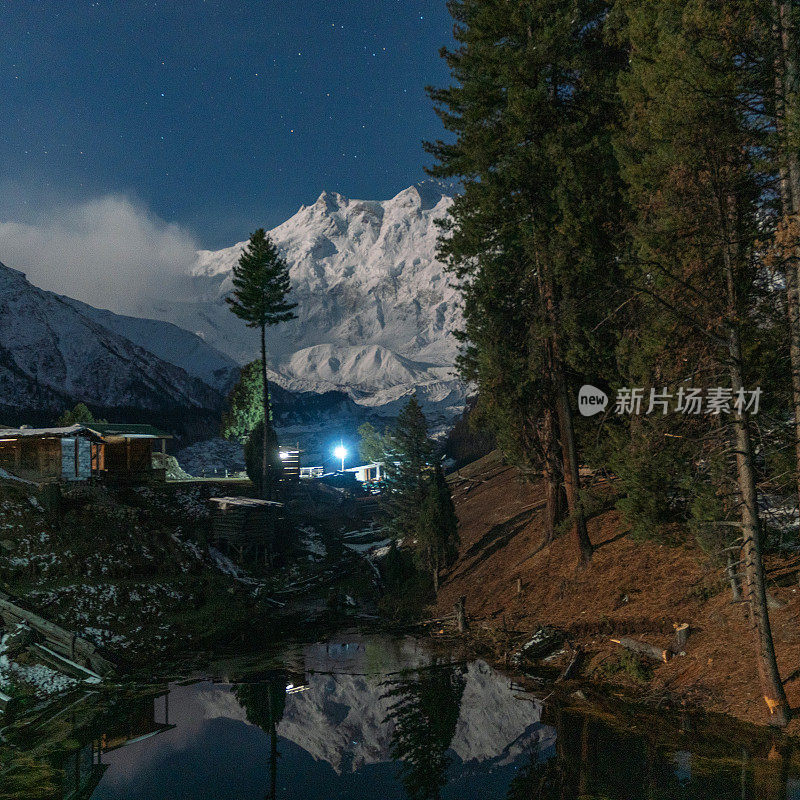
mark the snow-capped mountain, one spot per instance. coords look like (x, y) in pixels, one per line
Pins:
(55, 352)
(375, 309)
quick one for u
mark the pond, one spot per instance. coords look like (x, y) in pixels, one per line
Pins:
(378, 717)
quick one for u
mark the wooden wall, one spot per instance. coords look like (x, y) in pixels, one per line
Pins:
(33, 455)
(128, 455)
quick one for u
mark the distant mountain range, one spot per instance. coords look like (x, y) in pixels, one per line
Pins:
(376, 316)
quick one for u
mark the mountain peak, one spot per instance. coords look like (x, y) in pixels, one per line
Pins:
(331, 201)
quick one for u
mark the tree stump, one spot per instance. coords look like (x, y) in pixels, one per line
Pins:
(679, 640)
(461, 614)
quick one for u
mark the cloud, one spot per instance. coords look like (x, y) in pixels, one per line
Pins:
(108, 251)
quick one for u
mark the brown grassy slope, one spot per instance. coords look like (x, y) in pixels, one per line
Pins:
(634, 588)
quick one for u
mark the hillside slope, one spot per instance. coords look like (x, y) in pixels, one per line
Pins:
(631, 588)
(169, 343)
(52, 355)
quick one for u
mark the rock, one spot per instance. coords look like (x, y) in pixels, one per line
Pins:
(773, 603)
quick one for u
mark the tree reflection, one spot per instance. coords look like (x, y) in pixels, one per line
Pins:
(264, 702)
(594, 758)
(425, 708)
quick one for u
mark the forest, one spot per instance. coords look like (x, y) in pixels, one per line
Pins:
(629, 224)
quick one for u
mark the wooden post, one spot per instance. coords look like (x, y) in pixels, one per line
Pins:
(519, 585)
(461, 614)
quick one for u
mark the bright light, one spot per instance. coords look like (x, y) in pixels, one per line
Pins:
(341, 452)
(284, 455)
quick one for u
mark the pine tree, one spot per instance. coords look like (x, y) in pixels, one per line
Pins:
(691, 155)
(264, 702)
(531, 238)
(408, 464)
(437, 528)
(80, 415)
(372, 445)
(784, 104)
(260, 287)
(424, 709)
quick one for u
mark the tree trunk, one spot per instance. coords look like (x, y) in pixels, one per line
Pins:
(785, 70)
(553, 484)
(572, 481)
(649, 650)
(569, 450)
(266, 488)
(771, 685)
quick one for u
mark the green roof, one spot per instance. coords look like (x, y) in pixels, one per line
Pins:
(123, 429)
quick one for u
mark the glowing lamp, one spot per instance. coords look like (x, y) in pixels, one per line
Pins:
(284, 455)
(341, 453)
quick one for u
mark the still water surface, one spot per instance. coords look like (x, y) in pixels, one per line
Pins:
(378, 718)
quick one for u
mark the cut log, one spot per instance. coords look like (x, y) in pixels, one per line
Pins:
(649, 650)
(545, 640)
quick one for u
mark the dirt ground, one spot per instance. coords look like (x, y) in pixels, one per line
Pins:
(638, 589)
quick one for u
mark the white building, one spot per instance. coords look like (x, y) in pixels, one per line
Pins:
(369, 473)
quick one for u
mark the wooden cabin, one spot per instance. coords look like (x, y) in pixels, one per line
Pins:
(126, 452)
(82, 452)
(49, 453)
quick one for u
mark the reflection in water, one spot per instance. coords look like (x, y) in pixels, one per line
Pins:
(424, 711)
(264, 701)
(594, 758)
(62, 756)
(380, 718)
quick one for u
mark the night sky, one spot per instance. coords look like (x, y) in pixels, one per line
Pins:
(216, 116)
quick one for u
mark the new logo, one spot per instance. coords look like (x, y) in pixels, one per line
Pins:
(591, 400)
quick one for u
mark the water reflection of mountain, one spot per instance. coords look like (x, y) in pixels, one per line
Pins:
(369, 719)
(341, 717)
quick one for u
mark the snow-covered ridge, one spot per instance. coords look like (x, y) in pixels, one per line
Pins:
(52, 353)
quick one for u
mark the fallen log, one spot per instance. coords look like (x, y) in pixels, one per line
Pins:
(63, 642)
(649, 650)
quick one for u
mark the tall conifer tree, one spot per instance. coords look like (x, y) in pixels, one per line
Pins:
(260, 287)
(691, 153)
(531, 237)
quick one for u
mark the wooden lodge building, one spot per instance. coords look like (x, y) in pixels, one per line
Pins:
(119, 453)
